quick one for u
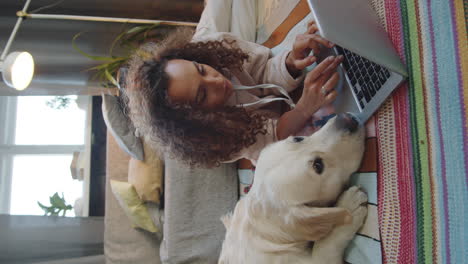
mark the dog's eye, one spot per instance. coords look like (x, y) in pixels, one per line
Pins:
(297, 139)
(318, 165)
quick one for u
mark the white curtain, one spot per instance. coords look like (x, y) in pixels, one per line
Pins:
(48, 239)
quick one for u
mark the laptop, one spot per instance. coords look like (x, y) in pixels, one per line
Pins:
(371, 69)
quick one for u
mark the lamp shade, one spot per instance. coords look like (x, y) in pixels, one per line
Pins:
(18, 69)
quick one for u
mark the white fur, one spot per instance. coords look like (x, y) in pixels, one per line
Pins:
(290, 204)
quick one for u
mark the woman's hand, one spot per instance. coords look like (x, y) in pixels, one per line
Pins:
(319, 86)
(299, 57)
(318, 91)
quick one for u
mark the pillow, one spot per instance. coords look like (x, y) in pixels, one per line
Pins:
(147, 176)
(133, 206)
(121, 127)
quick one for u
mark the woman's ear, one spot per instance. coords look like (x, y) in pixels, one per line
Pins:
(314, 223)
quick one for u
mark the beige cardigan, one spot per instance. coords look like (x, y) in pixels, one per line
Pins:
(261, 68)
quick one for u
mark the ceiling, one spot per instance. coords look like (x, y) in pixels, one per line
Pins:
(59, 68)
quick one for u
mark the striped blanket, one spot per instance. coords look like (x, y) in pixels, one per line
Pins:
(422, 135)
(416, 163)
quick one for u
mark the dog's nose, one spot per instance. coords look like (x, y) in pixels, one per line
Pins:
(347, 122)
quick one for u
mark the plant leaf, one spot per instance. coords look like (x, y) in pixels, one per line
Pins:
(43, 207)
(111, 78)
(98, 58)
(119, 61)
(116, 40)
(149, 29)
(134, 31)
(137, 29)
(135, 34)
(53, 198)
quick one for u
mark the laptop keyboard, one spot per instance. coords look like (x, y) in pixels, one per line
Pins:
(366, 77)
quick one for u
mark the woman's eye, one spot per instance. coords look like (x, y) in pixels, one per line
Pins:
(297, 139)
(318, 165)
(201, 69)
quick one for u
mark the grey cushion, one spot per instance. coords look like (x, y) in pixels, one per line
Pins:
(194, 202)
(121, 127)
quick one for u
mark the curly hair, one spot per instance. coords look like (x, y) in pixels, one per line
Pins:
(202, 138)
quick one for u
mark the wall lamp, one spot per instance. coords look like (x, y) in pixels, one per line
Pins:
(18, 67)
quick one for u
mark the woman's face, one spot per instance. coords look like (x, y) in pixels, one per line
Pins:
(197, 84)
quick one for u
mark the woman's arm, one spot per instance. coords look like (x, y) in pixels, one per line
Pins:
(318, 91)
(324, 75)
(286, 68)
(216, 17)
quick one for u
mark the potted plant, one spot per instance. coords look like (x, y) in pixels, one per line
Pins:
(127, 42)
(57, 205)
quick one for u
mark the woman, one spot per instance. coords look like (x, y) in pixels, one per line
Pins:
(181, 95)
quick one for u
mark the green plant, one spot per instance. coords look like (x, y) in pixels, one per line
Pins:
(59, 102)
(128, 41)
(57, 205)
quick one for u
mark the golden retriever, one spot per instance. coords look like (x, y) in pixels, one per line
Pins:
(297, 182)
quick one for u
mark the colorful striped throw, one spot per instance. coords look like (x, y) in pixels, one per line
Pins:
(422, 135)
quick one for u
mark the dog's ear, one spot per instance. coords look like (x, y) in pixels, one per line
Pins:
(226, 219)
(316, 222)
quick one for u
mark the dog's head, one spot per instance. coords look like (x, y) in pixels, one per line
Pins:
(305, 175)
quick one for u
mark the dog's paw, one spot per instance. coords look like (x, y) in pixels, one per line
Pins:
(355, 201)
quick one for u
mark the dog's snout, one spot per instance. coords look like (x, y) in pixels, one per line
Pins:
(347, 122)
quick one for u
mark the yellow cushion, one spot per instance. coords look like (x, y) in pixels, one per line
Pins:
(147, 175)
(133, 206)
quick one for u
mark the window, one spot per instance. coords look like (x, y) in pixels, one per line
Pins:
(37, 145)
